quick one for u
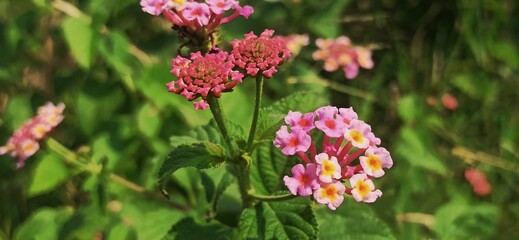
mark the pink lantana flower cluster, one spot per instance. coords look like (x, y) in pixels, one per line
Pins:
(340, 53)
(261, 54)
(218, 71)
(24, 141)
(197, 15)
(349, 154)
(203, 74)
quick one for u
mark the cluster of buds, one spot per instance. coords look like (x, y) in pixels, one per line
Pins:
(202, 17)
(201, 75)
(260, 54)
(218, 71)
(322, 174)
(341, 53)
(24, 141)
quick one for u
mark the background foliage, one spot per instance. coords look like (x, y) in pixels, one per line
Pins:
(108, 61)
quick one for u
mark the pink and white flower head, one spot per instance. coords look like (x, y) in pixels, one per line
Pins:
(357, 134)
(330, 194)
(197, 16)
(296, 120)
(328, 169)
(155, 7)
(201, 75)
(24, 141)
(296, 141)
(375, 160)
(304, 180)
(349, 152)
(261, 54)
(340, 52)
(363, 189)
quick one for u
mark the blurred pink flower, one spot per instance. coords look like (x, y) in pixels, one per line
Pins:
(340, 53)
(296, 42)
(201, 75)
(24, 141)
(261, 54)
(449, 101)
(479, 182)
(155, 7)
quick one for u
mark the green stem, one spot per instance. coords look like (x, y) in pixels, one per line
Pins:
(73, 159)
(216, 110)
(272, 198)
(242, 169)
(257, 105)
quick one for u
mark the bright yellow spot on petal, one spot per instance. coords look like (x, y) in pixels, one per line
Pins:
(374, 162)
(329, 192)
(327, 167)
(363, 188)
(356, 136)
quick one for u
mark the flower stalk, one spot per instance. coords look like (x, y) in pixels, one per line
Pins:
(257, 106)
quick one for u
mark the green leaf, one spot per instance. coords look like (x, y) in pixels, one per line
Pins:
(267, 168)
(413, 148)
(410, 108)
(353, 221)
(224, 182)
(149, 120)
(49, 173)
(79, 37)
(18, 111)
(201, 155)
(271, 118)
(328, 25)
(43, 224)
(461, 220)
(189, 229)
(293, 219)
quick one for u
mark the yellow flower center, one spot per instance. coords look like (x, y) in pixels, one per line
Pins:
(363, 188)
(329, 192)
(356, 136)
(328, 168)
(374, 162)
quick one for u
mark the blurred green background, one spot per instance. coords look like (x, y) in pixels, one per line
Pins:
(109, 62)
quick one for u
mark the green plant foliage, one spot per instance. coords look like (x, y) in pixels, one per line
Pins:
(268, 168)
(293, 219)
(271, 117)
(190, 229)
(201, 155)
(80, 36)
(44, 224)
(48, 174)
(351, 221)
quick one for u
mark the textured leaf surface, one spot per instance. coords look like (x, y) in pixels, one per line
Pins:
(268, 168)
(272, 117)
(200, 155)
(189, 229)
(293, 219)
(351, 221)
